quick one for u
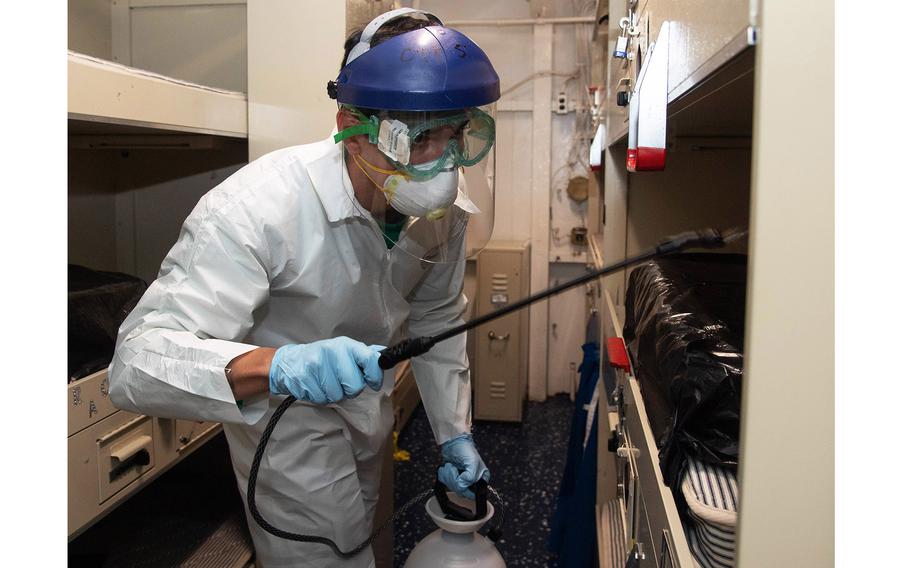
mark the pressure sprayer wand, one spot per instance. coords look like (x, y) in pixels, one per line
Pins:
(705, 238)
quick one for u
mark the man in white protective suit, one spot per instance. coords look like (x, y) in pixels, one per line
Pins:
(290, 276)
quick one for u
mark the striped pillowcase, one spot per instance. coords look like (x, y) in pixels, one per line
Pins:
(712, 496)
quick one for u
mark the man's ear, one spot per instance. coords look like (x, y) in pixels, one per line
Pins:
(345, 119)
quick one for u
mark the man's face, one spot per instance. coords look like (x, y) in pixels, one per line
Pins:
(373, 155)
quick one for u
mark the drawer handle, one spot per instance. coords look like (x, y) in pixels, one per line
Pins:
(131, 448)
(493, 336)
(139, 459)
(131, 454)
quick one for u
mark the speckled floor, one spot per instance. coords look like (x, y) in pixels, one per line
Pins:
(526, 462)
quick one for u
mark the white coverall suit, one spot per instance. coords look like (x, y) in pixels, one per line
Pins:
(282, 253)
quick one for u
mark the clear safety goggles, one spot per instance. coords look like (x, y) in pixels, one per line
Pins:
(421, 144)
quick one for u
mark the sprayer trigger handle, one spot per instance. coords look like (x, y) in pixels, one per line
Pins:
(451, 510)
(480, 490)
(456, 512)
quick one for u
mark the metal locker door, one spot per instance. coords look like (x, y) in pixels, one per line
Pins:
(498, 357)
(497, 396)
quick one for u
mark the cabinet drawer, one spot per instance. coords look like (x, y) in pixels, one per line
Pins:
(653, 519)
(88, 402)
(124, 455)
(103, 461)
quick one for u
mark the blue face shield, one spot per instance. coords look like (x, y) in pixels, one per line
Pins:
(422, 98)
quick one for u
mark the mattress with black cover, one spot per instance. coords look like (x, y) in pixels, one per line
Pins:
(98, 302)
(684, 330)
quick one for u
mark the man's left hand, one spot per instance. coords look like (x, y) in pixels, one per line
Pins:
(462, 465)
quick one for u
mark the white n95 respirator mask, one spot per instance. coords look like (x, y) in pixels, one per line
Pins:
(430, 198)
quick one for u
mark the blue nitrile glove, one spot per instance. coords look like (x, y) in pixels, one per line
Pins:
(462, 465)
(325, 371)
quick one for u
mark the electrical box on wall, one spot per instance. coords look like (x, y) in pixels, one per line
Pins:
(500, 369)
(562, 103)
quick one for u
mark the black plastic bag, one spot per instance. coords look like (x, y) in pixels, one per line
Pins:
(98, 302)
(684, 328)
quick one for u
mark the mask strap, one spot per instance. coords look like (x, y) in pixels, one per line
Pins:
(357, 163)
(378, 169)
(384, 191)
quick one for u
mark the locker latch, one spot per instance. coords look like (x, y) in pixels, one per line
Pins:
(636, 555)
(493, 337)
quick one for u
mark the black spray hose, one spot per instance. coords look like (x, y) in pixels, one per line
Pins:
(704, 238)
(251, 491)
(480, 489)
(391, 356)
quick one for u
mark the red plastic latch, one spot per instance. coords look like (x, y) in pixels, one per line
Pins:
(650, 159)
(616, 353)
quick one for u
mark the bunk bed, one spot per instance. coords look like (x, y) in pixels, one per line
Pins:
(684, 331)
(112, 95)
(112, 454)
(730, 162)
(644, 514)
(143, 148)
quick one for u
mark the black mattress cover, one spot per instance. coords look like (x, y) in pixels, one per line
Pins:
(684, 330)
(98, 302)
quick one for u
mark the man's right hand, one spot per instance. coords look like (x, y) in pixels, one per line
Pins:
(325, 371)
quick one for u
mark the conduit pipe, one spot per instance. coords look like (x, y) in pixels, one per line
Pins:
(522, 21)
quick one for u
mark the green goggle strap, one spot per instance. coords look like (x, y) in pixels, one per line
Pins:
(368, 126)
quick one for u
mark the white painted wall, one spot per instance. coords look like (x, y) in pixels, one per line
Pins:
(567, 320)
(294, 49)
(566, 213)
(89, 27)
(205, 44)
(569, 153)
(513, 177)
(511, 49)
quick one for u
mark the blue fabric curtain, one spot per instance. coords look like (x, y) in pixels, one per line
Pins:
(573, 528)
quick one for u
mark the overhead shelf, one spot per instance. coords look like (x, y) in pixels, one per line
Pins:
(112, 94)
(717, 104)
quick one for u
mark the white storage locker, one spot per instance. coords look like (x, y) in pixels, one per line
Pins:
(729, 163)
